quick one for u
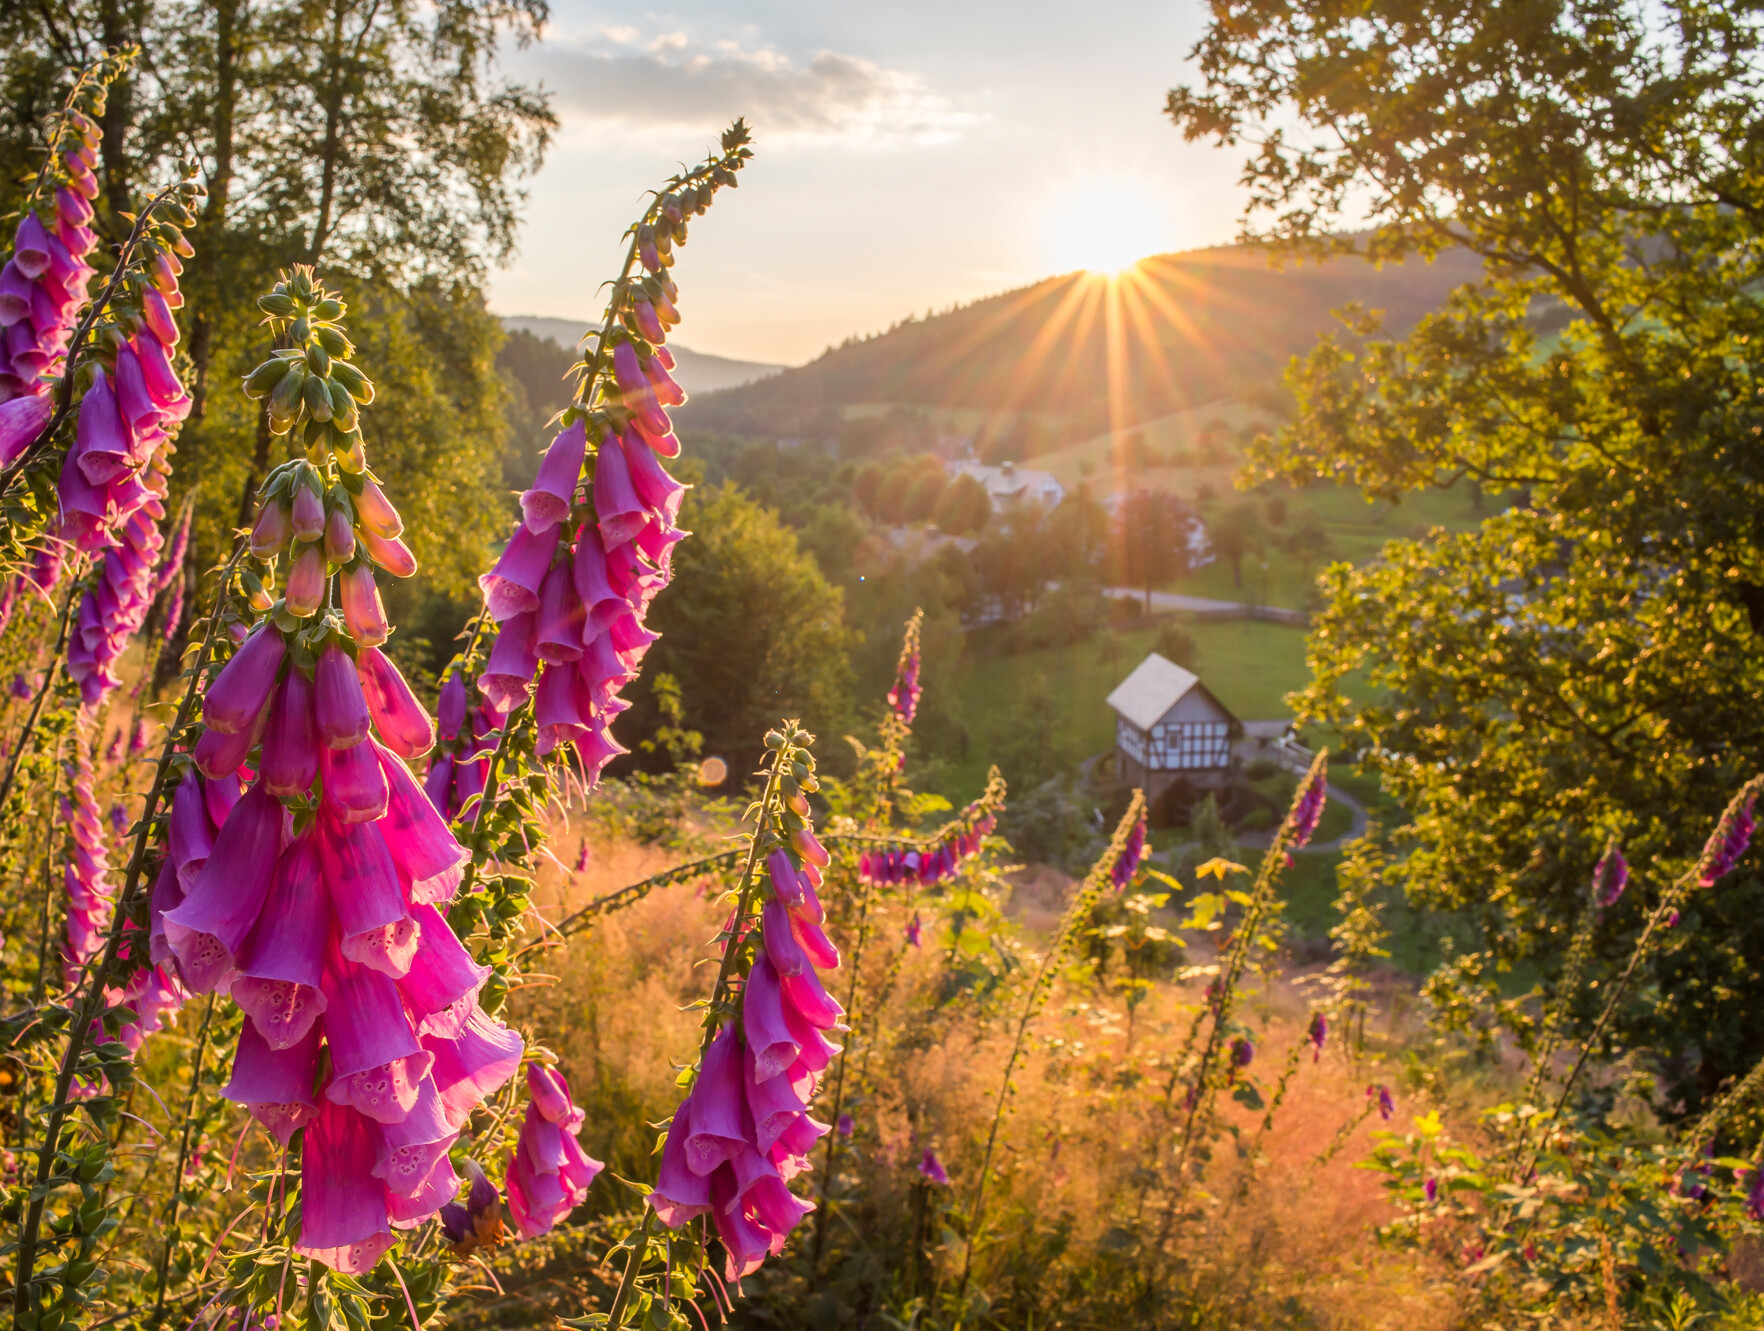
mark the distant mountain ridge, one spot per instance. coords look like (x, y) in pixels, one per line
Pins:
(696, 372)
(1183, 330)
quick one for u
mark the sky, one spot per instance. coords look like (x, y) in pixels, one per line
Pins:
(909, 156)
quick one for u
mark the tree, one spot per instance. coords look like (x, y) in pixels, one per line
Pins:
(963, 508)
(1233, 534)
(1586, 663)
(372, 139)
(1077, 536)
(1151, 539)
(891, 493)
(921, 499)
(750, 628)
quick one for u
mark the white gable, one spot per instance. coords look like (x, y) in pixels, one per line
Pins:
(1153, 688)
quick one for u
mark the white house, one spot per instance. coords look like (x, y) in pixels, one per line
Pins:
(1168, 725)
(1010, 487)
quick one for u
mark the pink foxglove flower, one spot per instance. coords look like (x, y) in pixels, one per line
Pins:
(1728, 842)
(745, 1130)
(931, 1168)
(1610, 876)
(550, 1174)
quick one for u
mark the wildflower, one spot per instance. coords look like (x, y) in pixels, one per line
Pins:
(1755, 1194)
(89, 890)
(1131, 853)
(931, 1168)
(1243, 1053)
(1384, 1100)
(476, 1224)
(21, 687)
(581, 858)
(550, 1174)
(903, 695)
(1317, 1033)
(1610, 876)
(1728, 842)
(744, 1130)
(913, 930)
(844, 1126)
(1307, 810)
(43, 284)
(1693, 1183)
(1430, 1189)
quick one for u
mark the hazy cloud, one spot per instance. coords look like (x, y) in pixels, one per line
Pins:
(665, 80)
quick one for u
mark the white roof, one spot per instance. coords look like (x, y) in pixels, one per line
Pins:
(1152, 689)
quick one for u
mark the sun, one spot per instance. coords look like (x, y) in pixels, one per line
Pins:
(1104, 226)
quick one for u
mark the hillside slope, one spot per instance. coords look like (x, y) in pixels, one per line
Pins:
(696, 371)
(1182, 330)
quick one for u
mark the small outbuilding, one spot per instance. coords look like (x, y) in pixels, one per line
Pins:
(1169, 727)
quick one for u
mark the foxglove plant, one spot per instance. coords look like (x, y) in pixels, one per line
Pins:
(1204, 1074)
(903, 696)
(43, 283)
(744, 1131)
(317, 904)
(570, 593)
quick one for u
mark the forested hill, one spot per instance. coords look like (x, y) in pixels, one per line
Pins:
(1183, 329)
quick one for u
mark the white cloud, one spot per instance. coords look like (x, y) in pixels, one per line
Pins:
(669, 80)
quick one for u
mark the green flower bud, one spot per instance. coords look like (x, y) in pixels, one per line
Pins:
(284, 402)
(774, 740)
(359, 386)
(343, 413)
(318, 360)
(300, 331)
(264, 378)
(333, 341)
(350, 453)
(316, 395)
(328, 308)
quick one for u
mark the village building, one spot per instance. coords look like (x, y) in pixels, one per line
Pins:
(1010, 487)
(1169, 728)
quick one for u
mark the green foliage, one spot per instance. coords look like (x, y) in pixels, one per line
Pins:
(750, 627)
(1586, 663)
(373, 140)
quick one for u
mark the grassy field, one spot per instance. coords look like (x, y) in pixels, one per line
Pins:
(1249, 666)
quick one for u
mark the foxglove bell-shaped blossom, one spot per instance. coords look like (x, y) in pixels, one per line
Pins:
(344, 1222)
(364, 615)
(281, 971)
(399, 719)
(931, 1168)
(290, 757)
(553, 492)
(550, 1174)
(237, 696)
(512, 587)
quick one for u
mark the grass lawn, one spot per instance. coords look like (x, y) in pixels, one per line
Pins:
(1249, 666)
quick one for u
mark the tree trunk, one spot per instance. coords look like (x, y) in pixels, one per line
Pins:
(228, 44)
(321, 226)
(114, 32)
